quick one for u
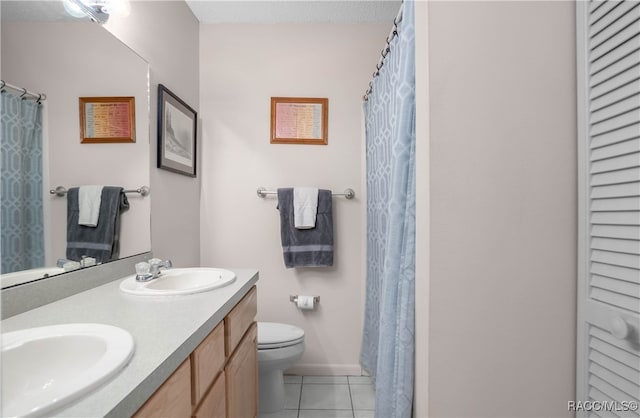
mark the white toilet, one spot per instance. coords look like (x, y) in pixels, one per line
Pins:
(279, 346)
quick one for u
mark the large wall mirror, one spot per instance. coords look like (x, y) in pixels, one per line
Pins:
(47, 51)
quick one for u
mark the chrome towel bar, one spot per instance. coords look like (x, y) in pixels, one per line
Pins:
(61, 191)
(348, 193)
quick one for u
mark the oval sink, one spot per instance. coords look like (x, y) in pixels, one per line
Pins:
(46, 368)
(179, 281)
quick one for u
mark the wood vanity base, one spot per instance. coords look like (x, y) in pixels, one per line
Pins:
(220, 377)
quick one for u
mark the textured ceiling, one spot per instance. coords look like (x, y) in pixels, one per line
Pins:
(290, 11)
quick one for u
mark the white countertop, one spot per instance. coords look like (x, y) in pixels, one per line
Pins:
(165, 329)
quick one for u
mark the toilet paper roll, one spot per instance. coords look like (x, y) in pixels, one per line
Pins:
(306, 302)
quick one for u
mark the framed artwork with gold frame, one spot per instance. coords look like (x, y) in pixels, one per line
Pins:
(107, 119)
(299, 120)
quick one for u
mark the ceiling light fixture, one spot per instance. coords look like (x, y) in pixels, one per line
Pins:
(96, 10)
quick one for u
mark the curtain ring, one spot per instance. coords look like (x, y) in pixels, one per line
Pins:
(24, 92)
(39, 98)
(3, 84)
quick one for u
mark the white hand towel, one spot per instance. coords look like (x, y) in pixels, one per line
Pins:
(305, 207)
(89, 198)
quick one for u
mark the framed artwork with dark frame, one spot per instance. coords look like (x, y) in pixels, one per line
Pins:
(107, 119)
(299, 120)
(177, 133)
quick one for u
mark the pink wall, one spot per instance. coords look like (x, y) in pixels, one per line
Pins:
(502, 194)
(421, 378)
(165, 33)
(241, 67)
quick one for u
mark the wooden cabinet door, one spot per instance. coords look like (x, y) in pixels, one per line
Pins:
(242, 378)
(173, 398)
(213, 403)
(207, 360)
(238, 321)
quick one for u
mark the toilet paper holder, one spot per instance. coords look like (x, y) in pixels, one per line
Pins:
(294, 299)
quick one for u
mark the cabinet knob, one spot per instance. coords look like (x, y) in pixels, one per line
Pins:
(619, 328)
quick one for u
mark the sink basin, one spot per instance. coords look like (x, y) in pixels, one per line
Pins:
(179, 281)
(46, 368)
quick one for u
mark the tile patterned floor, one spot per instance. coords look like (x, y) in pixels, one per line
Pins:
(327, 397)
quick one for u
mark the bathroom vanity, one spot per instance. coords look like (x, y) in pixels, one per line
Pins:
(195, 355)
(220, 377)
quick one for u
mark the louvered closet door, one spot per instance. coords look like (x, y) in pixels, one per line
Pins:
(608, 361)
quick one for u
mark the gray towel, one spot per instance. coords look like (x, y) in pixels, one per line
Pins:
(306, 247)
(102, 241)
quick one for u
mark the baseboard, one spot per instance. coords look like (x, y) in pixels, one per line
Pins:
(326, 370)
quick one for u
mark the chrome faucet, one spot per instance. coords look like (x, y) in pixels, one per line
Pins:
(151, 270)
(155, 264)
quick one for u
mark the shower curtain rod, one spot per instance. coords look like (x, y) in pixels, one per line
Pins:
(25, 94)
(385, 51)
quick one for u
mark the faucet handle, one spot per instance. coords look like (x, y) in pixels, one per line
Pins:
(142, 267)
(143, 273)
(159, 263)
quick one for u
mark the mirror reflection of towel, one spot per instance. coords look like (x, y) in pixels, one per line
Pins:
(102, 241)
(89, 199)
(306, 247)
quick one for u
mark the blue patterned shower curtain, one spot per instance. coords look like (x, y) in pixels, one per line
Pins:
(388, 339)
(22, 241)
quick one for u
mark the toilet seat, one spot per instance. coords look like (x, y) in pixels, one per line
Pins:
(275, 335)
